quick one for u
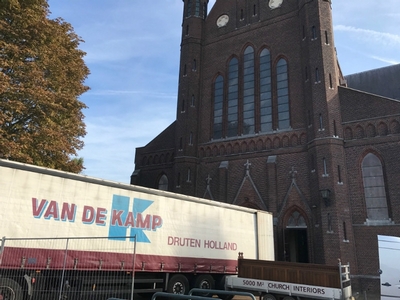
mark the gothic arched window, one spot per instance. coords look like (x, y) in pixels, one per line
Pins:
(163, 183)
(296, 220)
(233, 99)
(197, 12)
(189, 8)
(283, 94)
(218, 107)
(248, 91)
(374, 188)
(265, 91)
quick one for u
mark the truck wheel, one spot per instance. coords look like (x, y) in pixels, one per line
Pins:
(178, 284)
(10, 290)
(205, 282)
(268, 297)
(221, 286)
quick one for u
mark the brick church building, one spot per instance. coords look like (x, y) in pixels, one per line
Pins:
(265, 119)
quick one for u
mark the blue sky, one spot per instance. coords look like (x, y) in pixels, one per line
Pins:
(133, 49)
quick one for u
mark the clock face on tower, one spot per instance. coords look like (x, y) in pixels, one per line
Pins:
(275, 3)
(222, 20)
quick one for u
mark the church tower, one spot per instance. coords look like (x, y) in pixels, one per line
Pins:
(265, 120)
(194, 15)
(322, 78)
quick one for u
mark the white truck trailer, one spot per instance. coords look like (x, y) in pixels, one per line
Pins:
(69, 236)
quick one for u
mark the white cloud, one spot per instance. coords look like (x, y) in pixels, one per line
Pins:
(371, 36)
(112, 138)
(385, 60)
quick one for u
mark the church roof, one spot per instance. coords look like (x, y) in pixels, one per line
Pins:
(383, 81)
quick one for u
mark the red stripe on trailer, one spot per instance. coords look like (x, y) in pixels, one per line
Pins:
(54, 259)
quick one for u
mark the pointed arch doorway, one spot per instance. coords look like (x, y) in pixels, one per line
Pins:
(296, 238)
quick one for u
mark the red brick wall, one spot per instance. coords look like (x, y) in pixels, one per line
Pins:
(353, 123)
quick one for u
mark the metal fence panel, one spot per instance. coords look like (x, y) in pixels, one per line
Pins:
(67, 268)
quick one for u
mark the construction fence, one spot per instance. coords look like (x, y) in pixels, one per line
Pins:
(67, 268)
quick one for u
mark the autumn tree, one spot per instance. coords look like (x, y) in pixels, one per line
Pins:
(42, 74)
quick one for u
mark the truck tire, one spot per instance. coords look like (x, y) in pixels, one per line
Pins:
(10, 289)
(221, 286)
(205, 282)
(178, 284)
(268, 297)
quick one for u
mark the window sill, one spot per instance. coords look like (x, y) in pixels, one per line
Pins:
(378, 222)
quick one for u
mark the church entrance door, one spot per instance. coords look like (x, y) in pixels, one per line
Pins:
(296, 239)
(296, 245)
